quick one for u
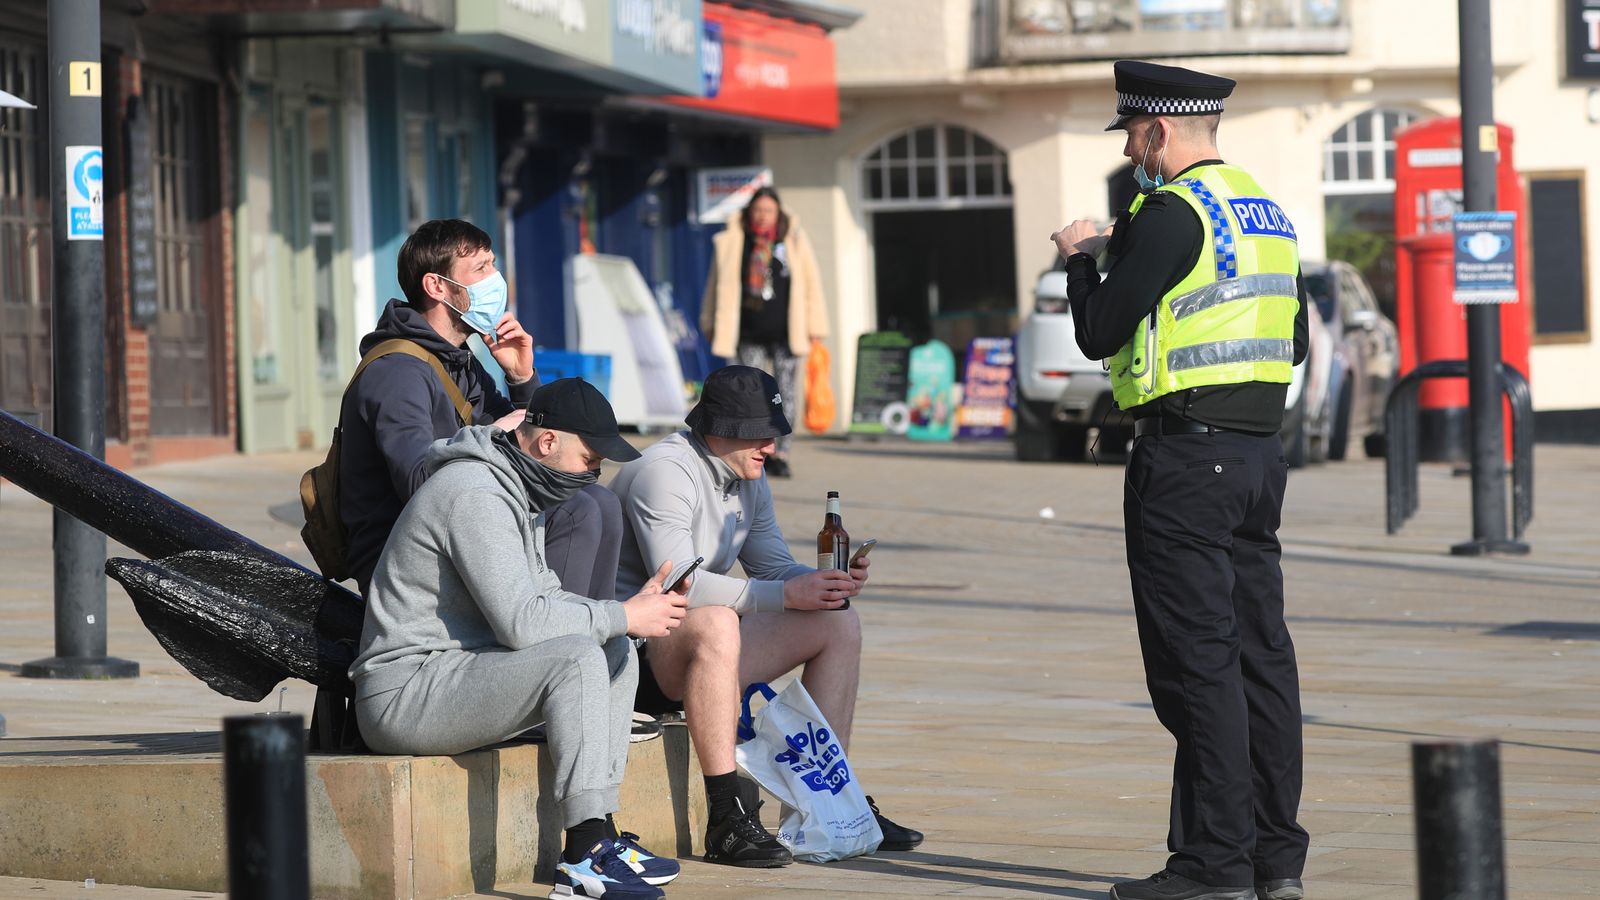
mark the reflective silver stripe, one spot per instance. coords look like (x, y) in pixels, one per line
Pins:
(1224, 353)
(1245, 287)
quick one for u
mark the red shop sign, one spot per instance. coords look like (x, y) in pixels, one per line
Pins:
(761, 67)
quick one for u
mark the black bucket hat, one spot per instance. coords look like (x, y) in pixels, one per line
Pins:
(739, 402)
(576, 406)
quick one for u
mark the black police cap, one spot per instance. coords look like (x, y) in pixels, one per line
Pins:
(740, 402)
(577, 407)
(1151, 89)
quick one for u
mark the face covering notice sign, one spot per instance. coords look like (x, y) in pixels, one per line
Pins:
(85, 167)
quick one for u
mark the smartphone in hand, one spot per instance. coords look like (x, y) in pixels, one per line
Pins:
(861, 552)
(681, 577)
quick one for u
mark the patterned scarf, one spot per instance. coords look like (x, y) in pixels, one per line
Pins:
(758, 283)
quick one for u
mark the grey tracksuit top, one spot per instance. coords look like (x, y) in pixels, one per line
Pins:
(464, 569)
(678, 502)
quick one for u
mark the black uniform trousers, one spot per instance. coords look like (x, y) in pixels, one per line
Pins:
(1201, 513)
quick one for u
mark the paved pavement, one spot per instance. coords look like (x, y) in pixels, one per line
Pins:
(1003, 709)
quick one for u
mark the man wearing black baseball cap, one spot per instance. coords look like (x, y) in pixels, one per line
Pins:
(1201, 317)
(469, 638)
(703, 492)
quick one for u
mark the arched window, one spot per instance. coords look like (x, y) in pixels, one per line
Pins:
(1358, 196)
(937, 166)
(1359, 157)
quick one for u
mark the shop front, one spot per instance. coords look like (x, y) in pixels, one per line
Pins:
(169, 301)
(631, 175)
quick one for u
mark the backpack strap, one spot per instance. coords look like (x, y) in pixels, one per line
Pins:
(415, 350)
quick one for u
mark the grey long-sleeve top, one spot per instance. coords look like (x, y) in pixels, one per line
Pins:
(679, 501)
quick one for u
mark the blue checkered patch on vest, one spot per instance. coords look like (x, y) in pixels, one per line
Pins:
(1221, 231)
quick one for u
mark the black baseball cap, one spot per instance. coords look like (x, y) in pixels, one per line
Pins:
(577, 407)
(740, 402)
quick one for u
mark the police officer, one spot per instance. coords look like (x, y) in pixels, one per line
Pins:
(1201, 315)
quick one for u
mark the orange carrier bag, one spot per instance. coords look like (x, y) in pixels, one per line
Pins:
(819, 391)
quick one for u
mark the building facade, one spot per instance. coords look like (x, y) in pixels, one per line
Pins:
(970, 130)
(168, 233)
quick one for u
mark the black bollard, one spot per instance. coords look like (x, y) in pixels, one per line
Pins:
(264, 784)
(1460, 843)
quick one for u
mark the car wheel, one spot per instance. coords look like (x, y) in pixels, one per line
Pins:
(1036, 444)
(1339, 437)
(1376, 445)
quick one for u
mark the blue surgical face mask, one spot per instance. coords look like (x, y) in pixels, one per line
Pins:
(487, 303)
(1146, 183)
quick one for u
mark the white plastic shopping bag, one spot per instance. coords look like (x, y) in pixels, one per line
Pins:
(789, 749)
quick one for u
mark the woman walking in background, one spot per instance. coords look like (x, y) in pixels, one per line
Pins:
(763, 302)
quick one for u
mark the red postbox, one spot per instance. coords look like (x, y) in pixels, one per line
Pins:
(1427, 195)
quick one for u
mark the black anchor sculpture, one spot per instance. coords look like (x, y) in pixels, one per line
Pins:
(238, 616)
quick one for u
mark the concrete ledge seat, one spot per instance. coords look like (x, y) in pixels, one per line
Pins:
(147, 810)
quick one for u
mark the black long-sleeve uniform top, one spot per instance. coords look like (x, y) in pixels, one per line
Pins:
(1154, 251)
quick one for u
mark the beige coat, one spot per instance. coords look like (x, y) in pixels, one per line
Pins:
(720, 307)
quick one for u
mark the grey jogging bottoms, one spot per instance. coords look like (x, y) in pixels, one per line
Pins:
(459, 700)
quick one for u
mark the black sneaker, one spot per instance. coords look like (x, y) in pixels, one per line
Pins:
(739, 840)
(1280, 889)
(1165, 885)
(778, 467)
(895, 837)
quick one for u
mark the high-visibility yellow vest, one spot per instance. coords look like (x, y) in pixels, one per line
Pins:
(1231, 319)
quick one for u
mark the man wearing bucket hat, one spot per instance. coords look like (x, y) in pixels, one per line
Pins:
(703, 492)
(1201, 317)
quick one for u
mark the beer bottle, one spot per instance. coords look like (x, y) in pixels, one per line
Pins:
(833, 542)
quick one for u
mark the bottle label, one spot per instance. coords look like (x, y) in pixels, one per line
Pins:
(825, 561)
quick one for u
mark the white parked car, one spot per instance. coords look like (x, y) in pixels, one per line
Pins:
(1062, 394)
(1307, 410)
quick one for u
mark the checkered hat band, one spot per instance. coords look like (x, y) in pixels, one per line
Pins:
(1128, 104)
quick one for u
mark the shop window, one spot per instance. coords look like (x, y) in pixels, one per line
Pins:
(416, 172)
(185, 339)
(260, 285)
(1358, 191)
(322, 186)
(1556, 259)
(1359, 157)
(25, 239)
(944, 166)
(1012, 31)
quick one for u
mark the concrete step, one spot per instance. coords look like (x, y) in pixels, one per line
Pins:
(146, 809)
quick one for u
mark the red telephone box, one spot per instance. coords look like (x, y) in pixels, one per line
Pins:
(1427, 194)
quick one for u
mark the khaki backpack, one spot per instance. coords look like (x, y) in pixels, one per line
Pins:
(324, 532)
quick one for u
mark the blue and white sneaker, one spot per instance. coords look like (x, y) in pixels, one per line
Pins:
(602, 873)
(653, 869)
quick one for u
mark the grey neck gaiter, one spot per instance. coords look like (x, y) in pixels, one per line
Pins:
(547, 487)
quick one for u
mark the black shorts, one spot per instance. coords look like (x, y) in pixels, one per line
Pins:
(649, 699)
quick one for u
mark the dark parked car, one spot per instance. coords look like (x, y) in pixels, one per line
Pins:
(1370, 354)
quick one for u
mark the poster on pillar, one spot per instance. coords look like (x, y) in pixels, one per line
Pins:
(85, 168)
(930, 398)
(987, 391)
(1486, 258)
(723, 193)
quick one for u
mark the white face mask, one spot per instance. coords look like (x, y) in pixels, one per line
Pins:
(487, 303)
(1140, 174)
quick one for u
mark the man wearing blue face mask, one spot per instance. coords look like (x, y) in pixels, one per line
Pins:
(1200, 318)
(398, 405)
